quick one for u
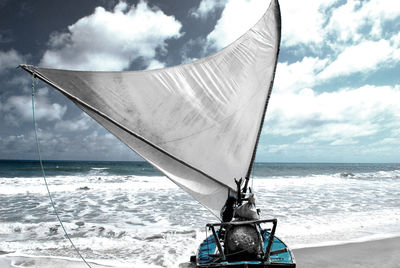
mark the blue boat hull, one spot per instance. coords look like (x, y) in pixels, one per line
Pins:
(281, 256)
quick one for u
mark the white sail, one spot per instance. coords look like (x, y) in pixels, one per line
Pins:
(198, 123)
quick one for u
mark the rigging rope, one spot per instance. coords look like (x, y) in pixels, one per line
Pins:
(44, 175)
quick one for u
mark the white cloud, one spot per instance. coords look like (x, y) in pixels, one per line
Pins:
(56, 144)
(83, 122)
(10, 59)
(314, 24)
(349, 20)
(346, 21)
(20, 108)
(363, 57)
(16, 143)
(100, 145)
(395, 41)
(198, 46)
(335, 117)
(298, 75)
(206, 7)
(112, 40)
(237, 17)
(340, 133)
(22, 80)
(155, 64)
(313, 21)
(276, 148)
(302, 22)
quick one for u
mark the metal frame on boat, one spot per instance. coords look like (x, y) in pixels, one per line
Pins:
(275, 253)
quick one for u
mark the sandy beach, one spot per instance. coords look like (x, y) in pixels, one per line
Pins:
(13, 261)
(383, 253)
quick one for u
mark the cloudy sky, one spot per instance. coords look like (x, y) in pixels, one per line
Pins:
(336, 95)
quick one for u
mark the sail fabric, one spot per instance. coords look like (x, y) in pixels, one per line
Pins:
(198, 123)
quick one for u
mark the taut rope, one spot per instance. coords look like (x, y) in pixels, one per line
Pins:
(44, 175)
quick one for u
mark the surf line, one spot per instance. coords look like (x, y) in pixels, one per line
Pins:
(44, 174)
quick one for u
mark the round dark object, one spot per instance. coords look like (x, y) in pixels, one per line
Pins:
(242, 242)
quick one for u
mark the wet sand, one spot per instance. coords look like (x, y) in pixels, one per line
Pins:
(372, 254)
(12, 261)
(383, 253)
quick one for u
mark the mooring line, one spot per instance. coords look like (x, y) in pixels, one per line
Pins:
(44, 175)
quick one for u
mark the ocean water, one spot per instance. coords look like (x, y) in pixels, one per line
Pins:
(128, 214)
